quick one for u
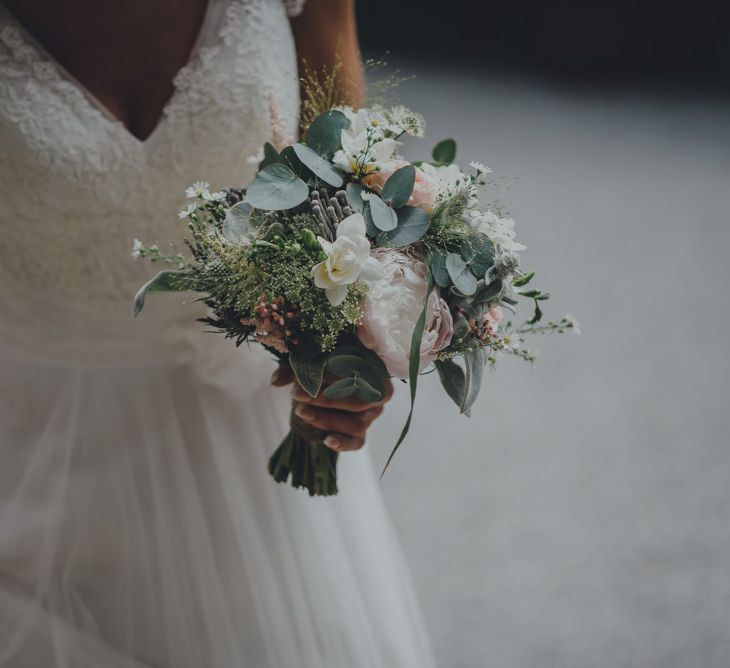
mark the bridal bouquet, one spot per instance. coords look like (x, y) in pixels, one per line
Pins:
(352, 265)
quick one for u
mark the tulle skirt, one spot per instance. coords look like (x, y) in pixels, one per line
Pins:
(139, 526)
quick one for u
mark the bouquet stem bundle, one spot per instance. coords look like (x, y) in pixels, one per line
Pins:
(303, 457)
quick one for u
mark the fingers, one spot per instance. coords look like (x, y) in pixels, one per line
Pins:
(343, 443)
(347, 423)
(282, 376)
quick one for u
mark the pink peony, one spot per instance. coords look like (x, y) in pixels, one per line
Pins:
(392, 307)
(424, 188)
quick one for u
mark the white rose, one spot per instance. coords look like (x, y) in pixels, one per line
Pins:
(391, 309)
(348, 259)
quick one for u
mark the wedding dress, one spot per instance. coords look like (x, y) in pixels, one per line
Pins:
(138, 525)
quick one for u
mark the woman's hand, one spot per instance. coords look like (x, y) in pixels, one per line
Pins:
(345, 420)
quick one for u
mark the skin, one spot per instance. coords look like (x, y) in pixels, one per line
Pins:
(133, 82)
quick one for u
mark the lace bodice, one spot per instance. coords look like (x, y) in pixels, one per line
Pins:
(76, 187)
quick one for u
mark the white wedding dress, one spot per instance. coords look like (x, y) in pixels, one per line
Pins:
(138, 525)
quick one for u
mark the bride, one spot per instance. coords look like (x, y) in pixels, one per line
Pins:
(138, 525)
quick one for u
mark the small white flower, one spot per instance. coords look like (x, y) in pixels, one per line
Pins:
(348, 259)
(407, 121)
(364, 145)
(480, 167)
(257, 157)
(451, 181)
(198, 189)
(190, 208)
(214, 197)
(500, 231)
(511, 341)
(137, 247)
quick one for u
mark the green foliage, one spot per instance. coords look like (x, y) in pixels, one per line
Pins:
(453, 380)
(382, 216)
(323, 134)
(412, 225)
(165, 281)
(277, 187)
(309, 371)
(460, 274)
(399, 187)
(444, 152)
(320, 167)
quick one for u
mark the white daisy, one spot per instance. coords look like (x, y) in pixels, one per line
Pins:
(190, 208)
(480, 167)
(214, 197)
(137, 247)
(198, 189)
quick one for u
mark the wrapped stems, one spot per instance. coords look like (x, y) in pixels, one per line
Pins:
(305, 459)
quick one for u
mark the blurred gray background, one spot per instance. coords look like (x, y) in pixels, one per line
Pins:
(581, 517)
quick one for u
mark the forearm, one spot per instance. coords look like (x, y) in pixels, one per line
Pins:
(326, 36)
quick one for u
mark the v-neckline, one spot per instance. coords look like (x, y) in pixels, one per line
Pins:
(92, 100)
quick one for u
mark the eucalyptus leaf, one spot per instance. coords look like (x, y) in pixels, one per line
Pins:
(384, 218)
(271, 155)
(412, 225)
(441, 277)
(398, 188)
(165, 281)
(461, 275)
(478, 251)
(276, 188)
(319, 166)
(474, 365)
(453, 380)
(237, 227)
(354, 196)
(340, 389)
(370, 227)
(445, 151)
(365, 353)
(309, 372)
(325, 131)
(365, 391)
(348, 365)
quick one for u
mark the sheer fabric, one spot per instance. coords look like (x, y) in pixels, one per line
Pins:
(138, 526)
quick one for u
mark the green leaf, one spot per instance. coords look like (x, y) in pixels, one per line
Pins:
(478, 252)
(461, 275)
(367, 354)
(340, 389)
(398, 188)
(453, 380)
(365, 391)
(474, 364)
(412, 225)
(414, 359)
(324, 133)
(437, 262)
(348, 365)
(276, 188)
(523, 280)
(485, 294)
(370, 228)
(354, 196)
(165, 281)
(237, 227)
(383, 217)
(309, 372)
(445, 151)
(271, 155)
(319, 166)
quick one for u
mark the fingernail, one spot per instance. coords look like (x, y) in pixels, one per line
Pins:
(332, 442)
(304, 412)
